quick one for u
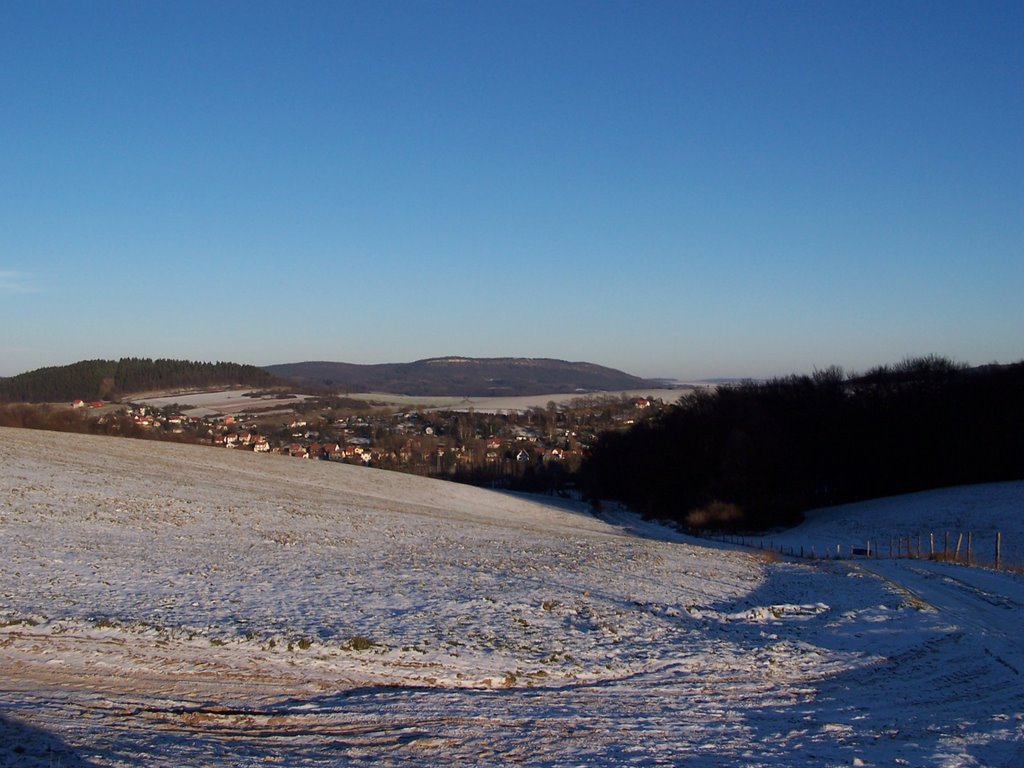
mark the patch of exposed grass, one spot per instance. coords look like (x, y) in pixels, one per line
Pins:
(358, 643)
(766, 556)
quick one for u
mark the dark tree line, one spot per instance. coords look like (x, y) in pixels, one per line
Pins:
(534, 477)
(761, 454)
(109, 379)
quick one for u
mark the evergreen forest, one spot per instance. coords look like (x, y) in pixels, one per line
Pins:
(111, 379)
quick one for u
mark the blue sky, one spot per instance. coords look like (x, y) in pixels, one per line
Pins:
(683, 189)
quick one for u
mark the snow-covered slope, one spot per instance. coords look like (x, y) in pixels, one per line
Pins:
(171, 605)
(926, 519)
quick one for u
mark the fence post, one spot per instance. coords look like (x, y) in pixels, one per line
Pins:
(999, 545)
(931, 545)
(945, 547)
(959, 541)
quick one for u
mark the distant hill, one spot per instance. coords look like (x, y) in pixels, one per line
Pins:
(466, 376)
(105, 379)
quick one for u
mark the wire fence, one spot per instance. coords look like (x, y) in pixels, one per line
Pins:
(986, 550)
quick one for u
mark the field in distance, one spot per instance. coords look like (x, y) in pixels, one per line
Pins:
(511, 403)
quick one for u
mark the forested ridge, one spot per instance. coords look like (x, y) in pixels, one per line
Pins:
(762, 453)
(110, 379)
(463, 376)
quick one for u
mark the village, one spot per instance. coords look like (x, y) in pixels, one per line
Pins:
(533, 447)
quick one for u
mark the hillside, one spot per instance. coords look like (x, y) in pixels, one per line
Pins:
(206, 607)
(104, 379)
(462, 376)
(979, 510)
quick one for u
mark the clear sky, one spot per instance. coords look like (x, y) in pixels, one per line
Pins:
(679, 189)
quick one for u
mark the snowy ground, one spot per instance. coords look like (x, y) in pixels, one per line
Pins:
(927, 521)
(167, 605)
(235, 401)
(513, 402)
(227, 401)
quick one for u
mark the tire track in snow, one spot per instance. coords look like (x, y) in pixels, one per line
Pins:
(991, 619)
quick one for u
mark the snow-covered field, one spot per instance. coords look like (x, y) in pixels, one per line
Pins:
(227, 401)
(927, 521)
(512, 402)
(168, 605)
(234, 401)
